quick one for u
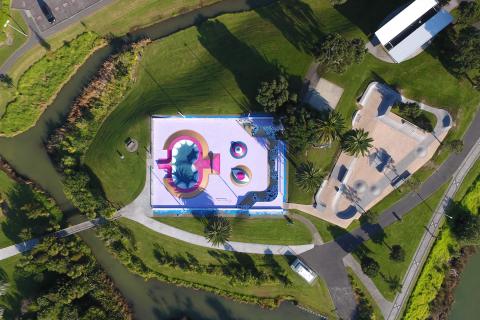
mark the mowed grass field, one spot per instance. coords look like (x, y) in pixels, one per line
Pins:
(149, 243)
(216, 67)
(407, 233)
(118, 18)
(256, 230)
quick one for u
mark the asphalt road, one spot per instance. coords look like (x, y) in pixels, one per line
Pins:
(326, 259)
(36, 36)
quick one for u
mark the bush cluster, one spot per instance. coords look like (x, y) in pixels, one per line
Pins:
(69, 144)
(39, 84)
(122, 244)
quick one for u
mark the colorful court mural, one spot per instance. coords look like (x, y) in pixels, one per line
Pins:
(207, 164)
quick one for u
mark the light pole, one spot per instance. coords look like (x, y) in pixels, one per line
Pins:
(7, 24)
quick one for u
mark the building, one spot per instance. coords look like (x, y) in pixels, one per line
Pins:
(304, 271)
(412, 28)
(226, 164)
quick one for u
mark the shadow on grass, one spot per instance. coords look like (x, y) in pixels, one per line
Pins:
(368, 15)
(27, 217)
(296, 21)
(248, 66)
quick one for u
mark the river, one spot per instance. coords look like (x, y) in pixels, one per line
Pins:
(150, 299)
(466, 304)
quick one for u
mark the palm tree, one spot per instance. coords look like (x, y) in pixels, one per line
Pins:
(356, 142)
(309, 177)
(331, 127)
(218, 231)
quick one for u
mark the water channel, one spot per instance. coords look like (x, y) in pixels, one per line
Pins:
(150, 299)
(466, 304)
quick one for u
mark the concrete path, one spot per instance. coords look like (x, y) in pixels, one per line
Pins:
(432, 230)
(198, 240)
(325, 259)
(21, 247)
(36, 36)
(317, 239)
(384, 305)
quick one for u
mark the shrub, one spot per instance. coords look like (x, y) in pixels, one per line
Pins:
(274, 94)
(308, 176)
(468, 12)
(431, 278)
(455, 145)
(40, 83)
(369, 266)
(397, 253)
(69, 144)
(412, 112)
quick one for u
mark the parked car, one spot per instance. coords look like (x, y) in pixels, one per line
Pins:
(47, 12)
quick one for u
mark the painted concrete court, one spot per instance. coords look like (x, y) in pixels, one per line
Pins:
(399, 149)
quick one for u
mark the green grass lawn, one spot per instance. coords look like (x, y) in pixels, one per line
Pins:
(358, 286)
(322, 158)
(327, 231)
(256, 230)
(39, 84)
(17, 21)
(196, 72)
(406, 233)
(119, 17)
(315, 297)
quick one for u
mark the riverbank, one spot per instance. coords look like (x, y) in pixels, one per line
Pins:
(266, 280)
(38, 87)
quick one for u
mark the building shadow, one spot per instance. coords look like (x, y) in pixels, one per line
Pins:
(248, 66)
(296, 21)
(368, 15)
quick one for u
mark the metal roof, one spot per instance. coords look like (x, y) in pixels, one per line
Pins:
(404, 19)
(420, 36)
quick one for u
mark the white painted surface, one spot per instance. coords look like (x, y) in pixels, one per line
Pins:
(411, 44)
(402, 20)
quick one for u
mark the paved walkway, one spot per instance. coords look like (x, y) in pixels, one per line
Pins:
(36, 36)
(326, 259)
(384, 305)
(430, 235)
(198, 240)
(317, 239)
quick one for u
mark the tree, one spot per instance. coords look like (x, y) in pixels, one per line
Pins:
(309, 177)
(464, 225)
(455, 145)
(7, 80)
(301, 127)
(397, 253)
(356, 142)
(369, 266)
(468, 12)
(335, 53)
(274, 94)
(394, 283)
(466, 56)
(331, 127)
(218, 230)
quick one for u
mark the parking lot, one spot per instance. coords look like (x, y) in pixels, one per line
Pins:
(61, 10)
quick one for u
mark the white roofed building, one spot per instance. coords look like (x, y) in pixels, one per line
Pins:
(304, 271)
(412, 28)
